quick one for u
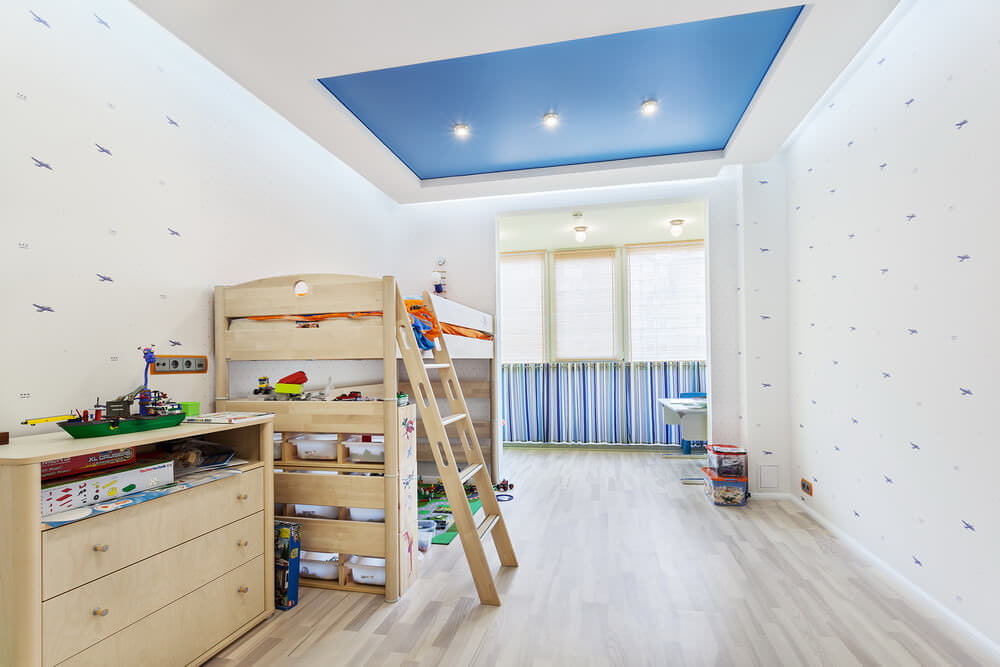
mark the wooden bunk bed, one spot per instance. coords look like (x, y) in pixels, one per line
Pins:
(243, 332)
(388, 486)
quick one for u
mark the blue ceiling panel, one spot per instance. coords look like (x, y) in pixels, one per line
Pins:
(703, 75)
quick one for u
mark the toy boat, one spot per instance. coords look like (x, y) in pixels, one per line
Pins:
(156, 410)
(95, 429)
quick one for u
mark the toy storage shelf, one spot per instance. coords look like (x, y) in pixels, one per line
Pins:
(176, 578)
(388, 486)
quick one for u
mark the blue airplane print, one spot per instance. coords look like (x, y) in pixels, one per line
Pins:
(964, 258)
(888, 480)
(856, 514)
(960, 124)
(765, 317)
(42, 165)
(765, 250)
(916, 561)
(968, 526)
(910, 217)
(173, 232)
(174, 343)
(914, 445)
(912, 332)
(171, 121)
(908, 102)
(765, 385)
(883, 165)
(102, 149)
(855, 420)
(39, 19)
(850, 143)
(965, 391)
(883, 271)
(102, 22)
(767, 452)
(43, 309)
(763, 182)
(104, 279)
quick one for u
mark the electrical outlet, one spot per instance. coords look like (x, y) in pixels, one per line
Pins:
(167, 364)
(807, 486)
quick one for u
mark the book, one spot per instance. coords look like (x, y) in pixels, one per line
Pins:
(224, 417)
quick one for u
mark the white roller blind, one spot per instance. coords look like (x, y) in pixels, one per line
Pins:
(522, 307)
(666, 286)
(584, 304)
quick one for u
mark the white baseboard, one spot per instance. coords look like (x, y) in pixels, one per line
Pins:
(987, 644)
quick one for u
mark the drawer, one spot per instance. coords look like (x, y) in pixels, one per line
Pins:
(75, 620)
(183, 631)
(80, 552)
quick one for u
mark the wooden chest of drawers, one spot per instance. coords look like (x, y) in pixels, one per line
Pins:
(166, 582)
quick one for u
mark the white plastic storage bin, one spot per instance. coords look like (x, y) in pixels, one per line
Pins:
(317, 446)
(278, 437)
(318, 565)
(360, 450)
(425, 533)
(314, 511)
(366, 514)
(367, 570)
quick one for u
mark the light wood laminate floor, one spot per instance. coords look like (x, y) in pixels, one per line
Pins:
(621, 564)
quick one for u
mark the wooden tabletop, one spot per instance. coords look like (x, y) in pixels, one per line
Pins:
(59, 444)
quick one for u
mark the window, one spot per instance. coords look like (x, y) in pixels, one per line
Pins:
(666, 287)
(584, 304)
(638, 303)
(522, 277)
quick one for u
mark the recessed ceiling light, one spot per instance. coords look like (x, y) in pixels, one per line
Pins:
(649, 107)
(461, 130)
(551, 119)
(676, 227)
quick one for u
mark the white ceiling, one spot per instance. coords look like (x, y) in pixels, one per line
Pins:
(277, 50)
(607, 225)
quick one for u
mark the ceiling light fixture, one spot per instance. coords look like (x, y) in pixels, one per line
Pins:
(581, 230)
(461, 130)
(550, 120)
(649, 107)
(676, 227)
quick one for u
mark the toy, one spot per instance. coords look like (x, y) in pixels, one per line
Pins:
(264, 386)
(503, 485)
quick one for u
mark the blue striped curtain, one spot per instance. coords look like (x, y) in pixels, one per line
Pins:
(594, 401)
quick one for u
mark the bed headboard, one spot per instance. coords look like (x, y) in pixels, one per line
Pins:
(327, 293)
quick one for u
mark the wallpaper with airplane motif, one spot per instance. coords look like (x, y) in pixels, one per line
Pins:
(894, 361)
(135, 176)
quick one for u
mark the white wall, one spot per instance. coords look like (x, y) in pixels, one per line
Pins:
(464, 232)
(893, 351)
(249, 195)
(763, 289)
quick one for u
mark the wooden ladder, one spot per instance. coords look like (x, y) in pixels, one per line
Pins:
(452, 478)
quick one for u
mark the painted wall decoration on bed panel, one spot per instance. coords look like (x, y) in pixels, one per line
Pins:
(891, 196)
(135, 177)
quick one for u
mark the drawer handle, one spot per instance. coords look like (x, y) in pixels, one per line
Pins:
(242, 543)
(99, 612)
(241, 496)
(243, 589)
(102, 547)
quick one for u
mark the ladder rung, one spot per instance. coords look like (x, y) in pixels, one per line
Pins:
(451, 419)
(466, 474)
(487, 525)
(437, 365)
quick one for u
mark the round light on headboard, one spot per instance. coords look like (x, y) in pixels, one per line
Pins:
(301, 288)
